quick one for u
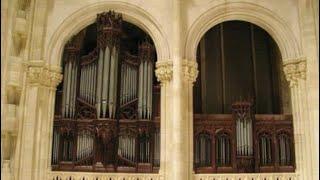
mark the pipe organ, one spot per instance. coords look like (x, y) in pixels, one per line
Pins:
(242, 113)
(145, 81)
(84, 145)
(129, 82)
(243, 142)
(265, 145)
(55, 146)
(127, 147)
(157, 148)
(103, 92)
(71, 54)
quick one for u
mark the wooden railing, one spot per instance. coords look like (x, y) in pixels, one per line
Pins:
(255, 176)
(127, 176)
(101, 176)
(212, 126)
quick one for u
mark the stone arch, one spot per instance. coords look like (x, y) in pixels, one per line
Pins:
(130, 13)
(253, 13)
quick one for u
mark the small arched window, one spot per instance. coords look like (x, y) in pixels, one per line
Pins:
(85, 143)
(223, 150)
(285, 149)
(265, 149)
(144, 148)
(127, 147)
(203, 150)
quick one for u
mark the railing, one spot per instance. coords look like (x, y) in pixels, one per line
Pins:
(128, 176)
(101, 176)
(256, 176)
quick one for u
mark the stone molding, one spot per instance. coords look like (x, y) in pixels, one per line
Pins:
(164, 71)
(39, 74)
(190, 70)
(295, 70)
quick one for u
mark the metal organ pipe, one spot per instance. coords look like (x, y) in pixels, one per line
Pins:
(105, 86)
(68, 89)
(65, 84)
(99, 82)
(115, 55)
(112, 83)
(140, 90)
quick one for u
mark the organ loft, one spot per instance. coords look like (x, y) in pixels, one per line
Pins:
(108, 104)
(106, 117)
(159, 90)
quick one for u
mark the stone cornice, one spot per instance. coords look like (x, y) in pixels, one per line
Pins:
(295, 70)
(39, 74)
(164, 71)
(190, 70)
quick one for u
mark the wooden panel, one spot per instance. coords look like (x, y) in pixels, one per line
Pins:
(213, 71)
(264, 76)
(238, 63)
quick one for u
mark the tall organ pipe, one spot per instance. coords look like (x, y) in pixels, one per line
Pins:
(149, 100)
(68, 89)
(140, 90)
(99, 83)
(115, 55)
(112, 84)
(65, 84)
(105, 86)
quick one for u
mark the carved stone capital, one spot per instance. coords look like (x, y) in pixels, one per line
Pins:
(164, 70)
(190, 70)
(295, 70)
(40, 75)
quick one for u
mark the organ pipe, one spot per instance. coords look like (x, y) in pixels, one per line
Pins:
(242, 113)
(99, 82)
(105, 86)
(145, 80)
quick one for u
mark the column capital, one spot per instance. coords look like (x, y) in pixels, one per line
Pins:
(164, 71)
(190, 70)
(295, 70)
(38, 74)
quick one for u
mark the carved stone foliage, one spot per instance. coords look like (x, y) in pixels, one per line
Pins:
(295, 70)
(40, 75)
(164, 70)
(190, 70)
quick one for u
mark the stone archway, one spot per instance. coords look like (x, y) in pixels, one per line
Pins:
(294, 63)
(131, 13)
(258, 15)
(71, 26)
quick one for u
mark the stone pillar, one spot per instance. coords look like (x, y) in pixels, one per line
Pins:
(295, 72)
(164, 75)
(190, 73)
(37, 118)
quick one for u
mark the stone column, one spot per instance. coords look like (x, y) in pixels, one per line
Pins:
(190, 73)
(36, 126)
(295, 72)
(164, 75)
(309, 36)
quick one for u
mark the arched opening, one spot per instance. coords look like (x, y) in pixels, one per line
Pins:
(241, 88)
(108, 94)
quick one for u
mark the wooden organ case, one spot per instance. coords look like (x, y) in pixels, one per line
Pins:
(106, 117)
(241, 135)
(243, 142)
